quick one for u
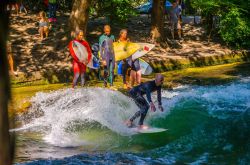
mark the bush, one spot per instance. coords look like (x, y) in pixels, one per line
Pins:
(235, 29)
(114, 10)
(234, 26)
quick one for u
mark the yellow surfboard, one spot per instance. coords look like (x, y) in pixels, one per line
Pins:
(124, 49)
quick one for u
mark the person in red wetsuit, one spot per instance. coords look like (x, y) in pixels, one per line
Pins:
(79, 67)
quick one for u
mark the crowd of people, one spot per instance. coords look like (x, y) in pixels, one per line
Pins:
(130, 69)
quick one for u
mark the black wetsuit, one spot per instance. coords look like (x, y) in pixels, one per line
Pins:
(135, 65)
(137, 94)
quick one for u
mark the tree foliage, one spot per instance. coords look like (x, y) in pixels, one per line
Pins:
(234, 26)
(114, 10)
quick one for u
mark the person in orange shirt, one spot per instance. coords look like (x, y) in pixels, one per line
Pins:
(79, 67)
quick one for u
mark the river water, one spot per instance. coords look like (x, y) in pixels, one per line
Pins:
(209, 125)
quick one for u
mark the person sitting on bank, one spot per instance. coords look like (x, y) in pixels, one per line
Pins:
(137, 93)
(44, 25)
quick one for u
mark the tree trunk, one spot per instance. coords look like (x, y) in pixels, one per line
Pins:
(6, 145)
(157, 20)
(79, 16)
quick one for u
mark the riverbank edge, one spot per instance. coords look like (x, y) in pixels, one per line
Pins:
(174, 63)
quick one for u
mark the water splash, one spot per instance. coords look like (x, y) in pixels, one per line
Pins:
(226, 109)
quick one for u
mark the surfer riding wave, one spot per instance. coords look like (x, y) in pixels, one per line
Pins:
(137, 93)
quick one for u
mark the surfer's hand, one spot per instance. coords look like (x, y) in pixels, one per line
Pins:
(104, 62)
(152, 107)
(161, 108)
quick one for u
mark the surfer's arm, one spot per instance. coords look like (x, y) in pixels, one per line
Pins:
(148, 93)
(159, 96)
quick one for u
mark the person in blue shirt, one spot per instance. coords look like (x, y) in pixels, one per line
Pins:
(107, 54)
(175, 21)
(137, 93)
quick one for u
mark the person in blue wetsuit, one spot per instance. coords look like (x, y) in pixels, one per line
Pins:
(107, 54)
(137, 93)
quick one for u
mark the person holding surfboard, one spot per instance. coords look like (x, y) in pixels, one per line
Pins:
(79, 65)
(125, 66)
(137, 95)
(107, 54)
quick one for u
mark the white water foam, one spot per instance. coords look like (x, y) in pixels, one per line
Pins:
(111, 108)
(61, 108)
(216, 100)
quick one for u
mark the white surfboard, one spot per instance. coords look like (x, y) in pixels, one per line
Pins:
(149, 130)
(82, 54)
(91, 63)
(146, 69)
(144, 49)
(80, 51)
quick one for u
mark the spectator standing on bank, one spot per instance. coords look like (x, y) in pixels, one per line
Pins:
(52, 10)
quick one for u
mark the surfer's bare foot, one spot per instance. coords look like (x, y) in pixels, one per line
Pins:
(126, 86)
(129, 123)
(143, 127)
